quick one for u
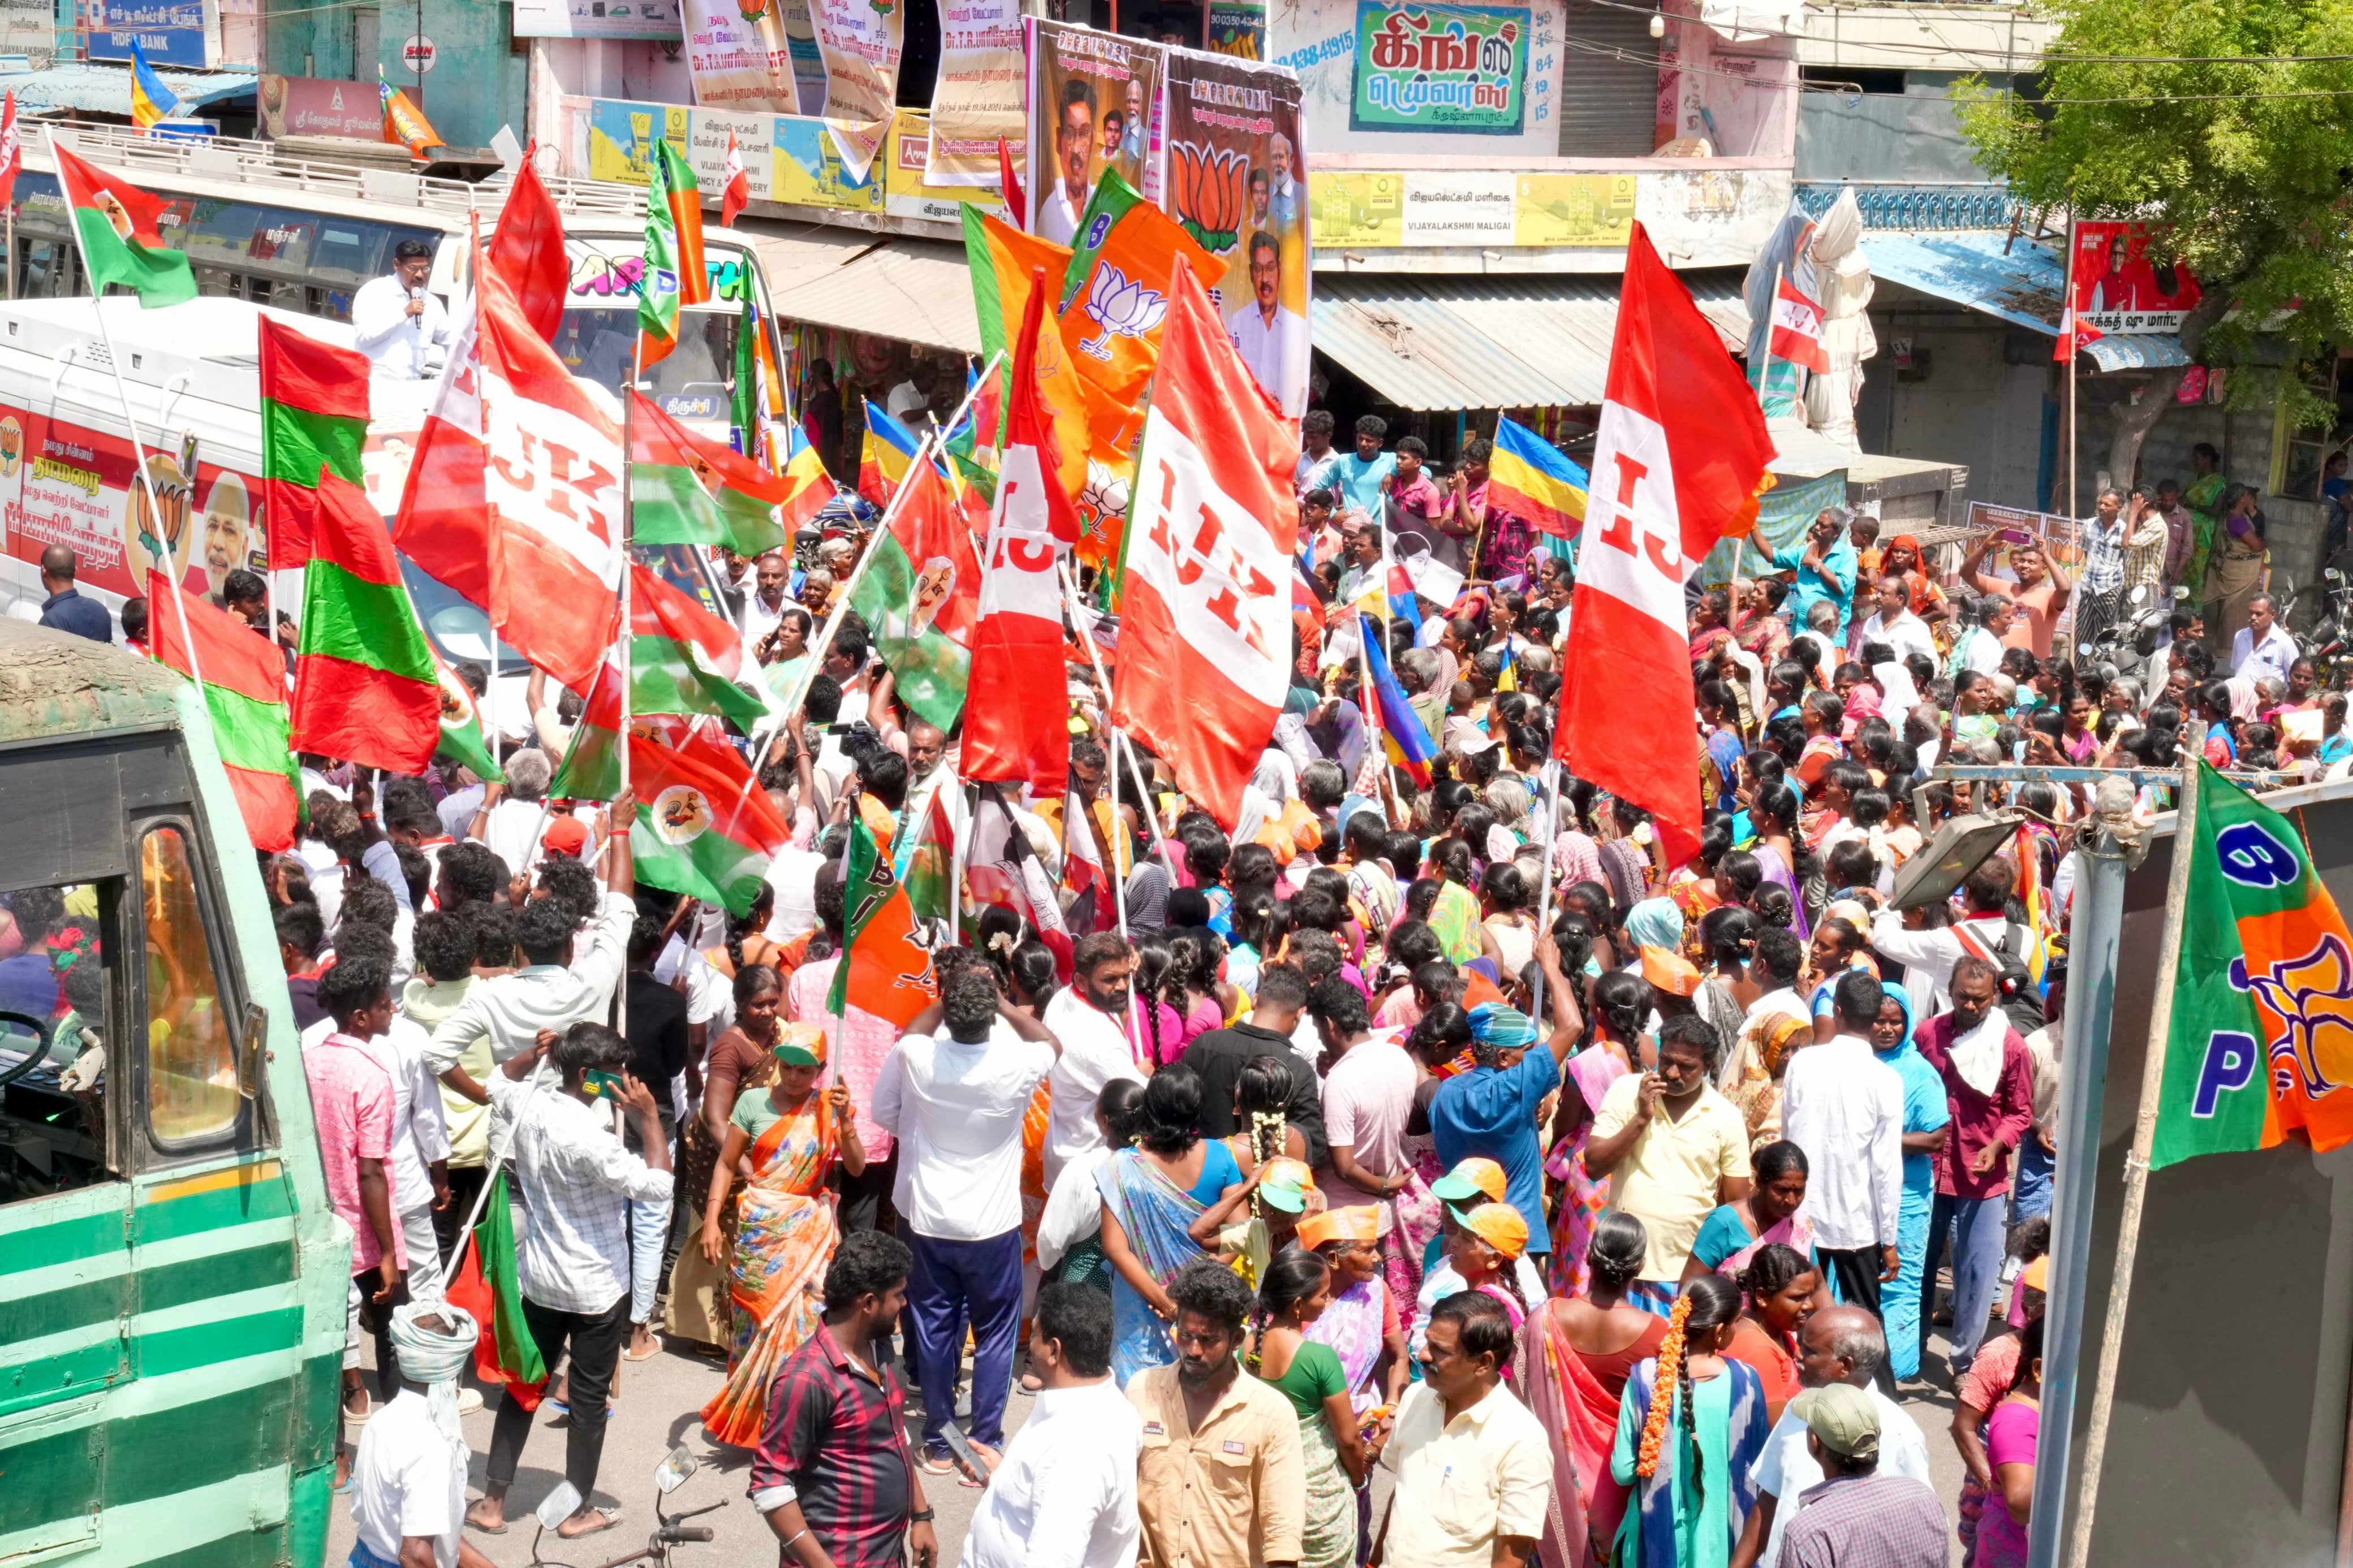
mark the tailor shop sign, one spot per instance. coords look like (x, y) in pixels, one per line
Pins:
(1452, 69)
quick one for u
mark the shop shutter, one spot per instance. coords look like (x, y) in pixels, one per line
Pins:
(1609, 89)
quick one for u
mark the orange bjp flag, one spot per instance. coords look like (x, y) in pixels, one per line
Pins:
(1115, 299)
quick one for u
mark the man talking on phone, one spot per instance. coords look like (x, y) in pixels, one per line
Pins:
(395, 321)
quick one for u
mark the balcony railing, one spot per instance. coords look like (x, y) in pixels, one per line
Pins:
(1903, 205)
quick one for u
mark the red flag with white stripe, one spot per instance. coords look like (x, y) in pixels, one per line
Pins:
(1001, 867)
(1679, 458)
(736, 193)
(12, 150)
(1798, 328)
(1016, 714)
(1205, 610)
(1089, 906)
(514, 497)
(2072, 334)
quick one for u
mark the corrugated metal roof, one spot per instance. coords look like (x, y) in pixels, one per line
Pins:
(105, 89)
(2136, 351)
(2018, 280)
(1501, 340)
(918, 290)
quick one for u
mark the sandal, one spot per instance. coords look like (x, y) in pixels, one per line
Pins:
(941, 1465)
(612, 1517)
(648, 1354)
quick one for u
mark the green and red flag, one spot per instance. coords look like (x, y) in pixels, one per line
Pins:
(705, 828)
(244, 693)
(365, 685)
(591, 769)
(489, 1287)
(314, 415)
(684, 658)
(461, 727)
(927, 858)
(116, 222)
(674, 274)
(685, 489)
(2261, 1039)
(919, 597)
(885, 968)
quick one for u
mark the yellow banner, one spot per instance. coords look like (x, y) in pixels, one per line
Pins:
(1457, 208)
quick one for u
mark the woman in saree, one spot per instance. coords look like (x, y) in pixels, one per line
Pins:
(1588, 1345)
(1152, 1194)
(1782, 1287)
(741, 1061)
(2235, 574)
(1759, 627)
(1774, 813)
(1690, 1428)
(1755, 1072)
(1710, 618)
(1361, 1323)
(1773, 1212)
(1455, 917)
(1903, 557)
(784, 1233)
(1292, 1296)
(1616, 1004)
(2203, 496)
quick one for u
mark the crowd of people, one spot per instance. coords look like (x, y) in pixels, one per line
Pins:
(1451, 1130)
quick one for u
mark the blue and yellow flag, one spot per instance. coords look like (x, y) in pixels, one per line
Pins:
(889, 452)
(1406, 743)
(150, 100)
(1527, 477)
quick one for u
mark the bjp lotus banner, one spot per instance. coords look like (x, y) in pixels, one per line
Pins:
(1236, 184)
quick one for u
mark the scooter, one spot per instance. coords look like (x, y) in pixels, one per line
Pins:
(677, 1466)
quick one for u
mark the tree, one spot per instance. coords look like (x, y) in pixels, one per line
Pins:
(2225, 122)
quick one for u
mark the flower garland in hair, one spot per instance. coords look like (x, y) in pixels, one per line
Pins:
(1662, 1390)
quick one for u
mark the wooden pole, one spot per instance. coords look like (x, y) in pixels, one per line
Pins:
(2152, 1087)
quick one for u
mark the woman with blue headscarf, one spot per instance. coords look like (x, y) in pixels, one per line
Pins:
(1925, 1130)
(1654, 922)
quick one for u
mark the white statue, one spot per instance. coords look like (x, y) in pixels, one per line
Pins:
(1843, 280)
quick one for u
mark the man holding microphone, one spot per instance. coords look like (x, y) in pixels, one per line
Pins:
(394, 321)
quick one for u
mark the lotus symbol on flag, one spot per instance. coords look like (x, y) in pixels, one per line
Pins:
(1102, 500)
(1121, 307)
(680, 814)
(1210, 188)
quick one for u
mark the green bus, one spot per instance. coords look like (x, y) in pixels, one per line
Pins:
(172, 1277)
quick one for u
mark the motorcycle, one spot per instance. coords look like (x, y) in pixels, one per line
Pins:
(677, 1466)
(2331, 640)
(2125, 648)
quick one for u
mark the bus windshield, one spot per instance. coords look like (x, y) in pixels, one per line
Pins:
(691, 383)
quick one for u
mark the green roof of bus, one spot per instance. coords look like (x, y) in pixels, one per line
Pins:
(56, 684)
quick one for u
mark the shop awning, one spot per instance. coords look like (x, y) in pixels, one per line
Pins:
(917, 291)
(2016, 279)
(106, 89)
(1512, 341)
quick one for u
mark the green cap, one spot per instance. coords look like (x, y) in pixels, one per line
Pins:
(794, 1055)
(1290, 1199)
(1843, 1417)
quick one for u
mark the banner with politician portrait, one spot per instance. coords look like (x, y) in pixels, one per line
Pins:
(2121, 283)
(1237, 183)
(1093, 98)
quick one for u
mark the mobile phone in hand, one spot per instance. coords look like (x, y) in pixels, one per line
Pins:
(961, 1448)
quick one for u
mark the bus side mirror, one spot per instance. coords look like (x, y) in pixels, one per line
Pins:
(251, 1049)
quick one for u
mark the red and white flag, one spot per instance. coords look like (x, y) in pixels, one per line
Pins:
(1017, 714)
(1205, 610)
(527, 251)
(735, 194)
(11, 152)
(1001, 868)
(514, 497)
(1088, 905)
(1798, 328)
(2072, 333)
(1678, 461)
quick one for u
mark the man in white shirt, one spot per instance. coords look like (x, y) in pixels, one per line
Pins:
(1980, 931)
(1065, 1491)
(1838, 1344)
(1979, 647)
(1088, 1018)
(1894, 623)
(2262, 646)
(513, 815)
(408, 1479)
(1271, 339)
(573, 1252)
(1062, 201)
(770, 596)
(1318, 460)
(395, 319)
(955, 1101)
(552, 991)
(1844, 1108)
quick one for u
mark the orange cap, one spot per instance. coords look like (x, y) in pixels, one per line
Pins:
(1500, 1226)
(1362, 1223)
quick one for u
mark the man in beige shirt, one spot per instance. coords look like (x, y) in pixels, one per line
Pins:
(1220, 1481)
(1473, 1467)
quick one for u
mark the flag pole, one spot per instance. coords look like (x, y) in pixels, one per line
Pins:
(1095, 656)
(841, 605)
(1548, 788)
(2152, 1091)
(1765, 370)
(138, 448)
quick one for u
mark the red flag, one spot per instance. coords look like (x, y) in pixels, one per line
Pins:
(1092, 907)
(1798, 328)
(1205, 627)
(1017, 210)
(1679, 458)
(244, 693)
(11, 152)
(514, 496)
(1015, 715)
(736, 194)
(1001, 867)
(2072, 334)
(527, 249)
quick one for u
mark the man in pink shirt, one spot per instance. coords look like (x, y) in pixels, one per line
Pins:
(1367, 1095)
(352, 1103)
(1421, 510)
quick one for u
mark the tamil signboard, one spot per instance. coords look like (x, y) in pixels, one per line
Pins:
(319, 105)
(1470, 208)
(1458, 69)
(2121, 288)
(168, 32)
(597, 19)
